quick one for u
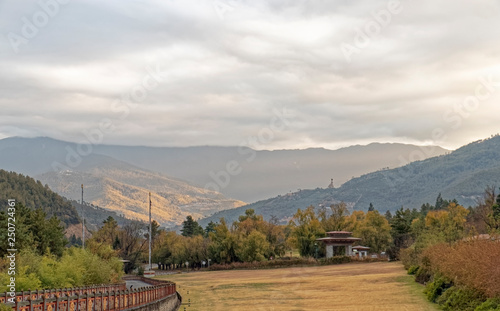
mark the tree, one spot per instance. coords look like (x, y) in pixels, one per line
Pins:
(252, 247)
(210, 228)
(250, 222)
(337, 220)
(190, 227)
(132, 244)
(223, 244)
(388, 215)
(306, 229)
(441, 203)
(276, 237)
(374, 231)
(34, 230)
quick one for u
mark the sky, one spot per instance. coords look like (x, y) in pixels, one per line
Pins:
(276, 74)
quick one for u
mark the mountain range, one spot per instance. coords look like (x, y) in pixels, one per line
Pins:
(110, 183)
(193, 181)
(463, 175)
(260, 174)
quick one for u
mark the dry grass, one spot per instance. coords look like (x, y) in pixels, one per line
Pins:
(371, 286)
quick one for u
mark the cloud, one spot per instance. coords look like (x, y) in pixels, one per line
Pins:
(223, 73)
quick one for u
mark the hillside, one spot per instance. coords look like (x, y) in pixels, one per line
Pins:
(264, 173)
(94, 216)
(124, 189)
(33, 194)
(109, 183)
(463, 174)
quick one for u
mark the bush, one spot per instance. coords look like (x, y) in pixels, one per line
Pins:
(423, 275)
(335, 260)
(413, 269)
(307, 261)
(456, 298)
(436, 288)
(4, 307)
(473, 264)
(140, 270)
(409, 257)
(489, 305)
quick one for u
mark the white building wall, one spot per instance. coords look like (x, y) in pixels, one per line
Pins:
(329, 251)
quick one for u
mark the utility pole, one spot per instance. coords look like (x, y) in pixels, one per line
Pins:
(83, 223)
(150, 232)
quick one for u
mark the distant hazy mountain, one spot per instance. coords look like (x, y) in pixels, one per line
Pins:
(266, 173)
(463, 175)
(110, 183)
(263, 173)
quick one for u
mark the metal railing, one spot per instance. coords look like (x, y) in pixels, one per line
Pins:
(113, 297)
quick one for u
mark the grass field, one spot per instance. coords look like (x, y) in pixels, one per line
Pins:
(370, 286)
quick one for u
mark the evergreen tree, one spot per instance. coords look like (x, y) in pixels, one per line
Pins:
(190, 227)
(210, 228)
(440, 203)
(34, 231)
(388, 215)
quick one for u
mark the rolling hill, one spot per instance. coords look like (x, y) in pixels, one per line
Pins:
(463, 175)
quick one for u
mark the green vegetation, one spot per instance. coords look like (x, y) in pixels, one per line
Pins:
(33, 231)
(35, 196)
(444, 251)
(127, 242)
(76, 267)
(462, 174)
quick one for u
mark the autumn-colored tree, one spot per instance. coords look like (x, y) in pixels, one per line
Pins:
(336, 221)
(252, 247)
(306, 228)
(375, 232)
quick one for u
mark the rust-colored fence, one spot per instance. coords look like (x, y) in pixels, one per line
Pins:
(93, 298)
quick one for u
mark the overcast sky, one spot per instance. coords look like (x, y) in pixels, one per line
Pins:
(184, 72)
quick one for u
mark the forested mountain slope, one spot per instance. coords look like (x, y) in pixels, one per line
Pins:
(463, 175)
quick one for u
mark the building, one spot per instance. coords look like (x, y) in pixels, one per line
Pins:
(361, 251)
(339, 243)
(331, 186)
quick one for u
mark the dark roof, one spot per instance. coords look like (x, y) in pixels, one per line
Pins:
(360, 247)
(328, 238)
(339, 232)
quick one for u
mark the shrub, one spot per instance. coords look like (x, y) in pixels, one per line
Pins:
(4, 307)
(457, 298)
(413, 269)
(140, 270)
(492, 304)
(423, 275)
(409, 257)
(335, 260)
(436, 288)
(473, 264)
